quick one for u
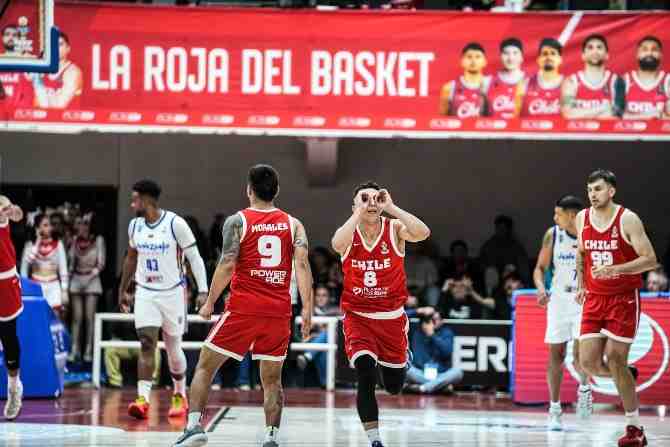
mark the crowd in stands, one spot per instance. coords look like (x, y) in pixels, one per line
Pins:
(441, 288)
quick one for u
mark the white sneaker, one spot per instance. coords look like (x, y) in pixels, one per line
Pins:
(584, 403)
(554, 423)
(14, 402)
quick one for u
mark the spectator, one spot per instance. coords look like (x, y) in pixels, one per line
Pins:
(200, 236)
(503, 249)
(657, 281)
(335, 283)
(503, 298)
(459, 263)
(323, 303)
(432, 345)
(460, 301)
(216, 237)
(422, 275)
(321, 260)
(413, 310)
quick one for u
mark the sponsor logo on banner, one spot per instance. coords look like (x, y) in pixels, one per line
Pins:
(125, 117)
(309, 121)
(78, 115)
(583, 125)
(263, 120)
(485, 124)
(480, 354)
(218, 119)
(537, 124)
(401, 123)
(354, 121)
(650, 351)
(630, 126)
(30, 114)
(171, 118)
(445, 123)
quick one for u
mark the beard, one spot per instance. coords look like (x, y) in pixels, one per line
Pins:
(9, 46)
(596, 63)
(649, 63)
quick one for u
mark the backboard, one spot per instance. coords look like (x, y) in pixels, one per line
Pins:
(29, 37)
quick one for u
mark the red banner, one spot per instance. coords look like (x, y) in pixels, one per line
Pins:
(346, 73)
(650, 353)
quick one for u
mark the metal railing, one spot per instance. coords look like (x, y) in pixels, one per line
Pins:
(330, 347)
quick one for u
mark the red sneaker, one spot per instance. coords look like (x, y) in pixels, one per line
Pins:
(139, 409)
(634, 437)
(179, 407)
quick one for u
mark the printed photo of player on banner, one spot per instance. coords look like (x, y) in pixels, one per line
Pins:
(566, 75)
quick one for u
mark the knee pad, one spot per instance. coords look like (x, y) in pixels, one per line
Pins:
(175, 354)
(394, 379)
(366, 402)
(12, 351)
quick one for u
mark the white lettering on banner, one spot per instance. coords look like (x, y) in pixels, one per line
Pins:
(381, 73)
(465, 357)
(119, 68)
(177, 69)
(260, 68)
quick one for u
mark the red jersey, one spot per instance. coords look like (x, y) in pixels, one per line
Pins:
(262, 277)
(466, 101)
(608, 247)
(53, 83)
(500, 97)
(7, 251)
(646, 100)
(374, 277)
(594, 97)
(540, 101)
(18, 91)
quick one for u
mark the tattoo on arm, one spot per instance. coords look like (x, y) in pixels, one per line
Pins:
(301, 238)
(232, 234)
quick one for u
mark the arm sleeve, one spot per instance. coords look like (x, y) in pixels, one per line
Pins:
(197, 267)
(131, 232)
(102, 254)
(444, 341)
(25, 260)
(182, 233)
(62, 266)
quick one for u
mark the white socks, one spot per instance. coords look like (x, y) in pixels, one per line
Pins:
(584, 388)
(144, 389)
(633, 418)
(193, 420)
(373, 435)
(13, 382)
(271, 434)
(180, 386)
(555, 407)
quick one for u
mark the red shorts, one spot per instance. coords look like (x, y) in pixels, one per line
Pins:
(383, 340)
(613, 316)
(236, 334)
(10, 299)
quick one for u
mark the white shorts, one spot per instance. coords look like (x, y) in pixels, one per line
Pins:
(52, 293)
(84, 285)
(166, 310)
(564, 318)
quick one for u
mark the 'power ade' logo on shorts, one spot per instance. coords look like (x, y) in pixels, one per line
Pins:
(650, 352)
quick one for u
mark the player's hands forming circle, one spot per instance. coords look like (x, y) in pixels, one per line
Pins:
(384, 200)
(206, 311)
(542, 298)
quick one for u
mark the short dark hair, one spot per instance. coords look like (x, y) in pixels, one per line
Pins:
(511, 42)
(476, 46)
(366, 185)
(551, 43)
(570, 202)
(458, 243)
(65, 37)
(264, 182)
(595, 36)
(650, 38)
(427, 318)
(602, 174)
(146, 187)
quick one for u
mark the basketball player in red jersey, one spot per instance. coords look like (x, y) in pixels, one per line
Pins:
(63, 89)
(542, 92)
(10, 307)
(503, 93)
(16, 89)
(465, 97)
(648, 88)
(372, 248)
(591, 93)
(613, 252)
(260, 245)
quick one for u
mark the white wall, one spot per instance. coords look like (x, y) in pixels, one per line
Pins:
(457, 186)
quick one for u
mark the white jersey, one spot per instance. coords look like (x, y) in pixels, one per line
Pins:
(160, 251)
(564, 262)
